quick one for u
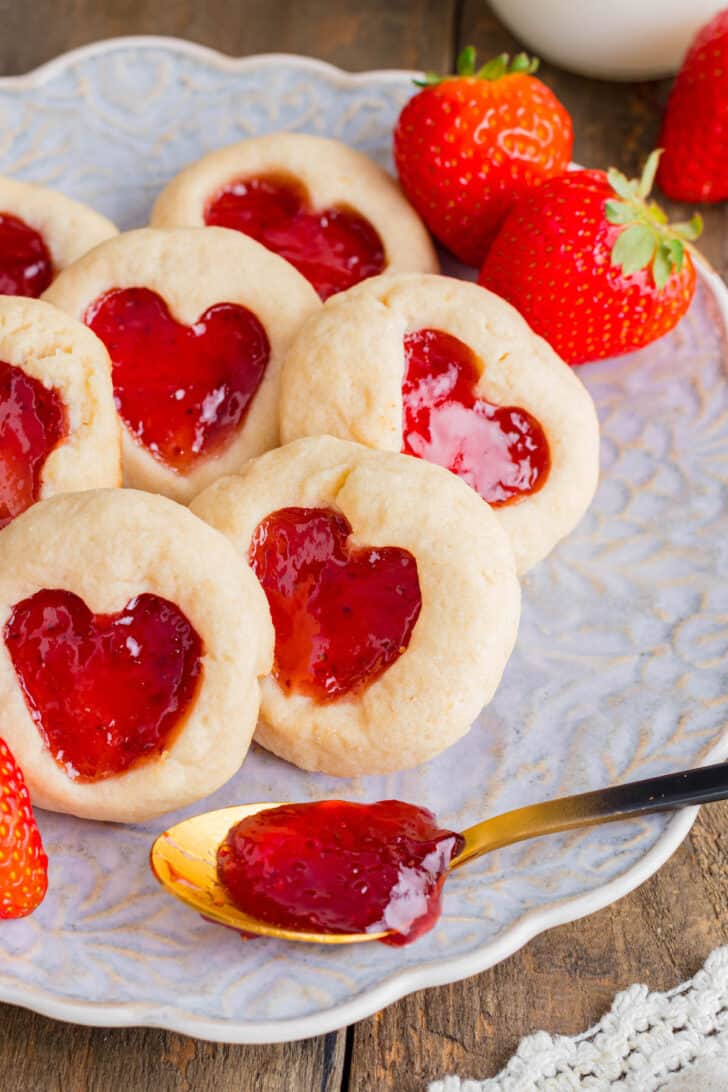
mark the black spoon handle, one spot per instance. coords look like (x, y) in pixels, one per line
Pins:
(675, 790)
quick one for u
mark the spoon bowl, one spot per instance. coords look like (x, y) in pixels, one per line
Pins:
(184, 858)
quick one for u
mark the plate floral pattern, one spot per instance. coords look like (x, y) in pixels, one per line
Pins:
(620, 666)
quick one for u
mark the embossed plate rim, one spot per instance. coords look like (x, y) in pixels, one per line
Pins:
(431, 973)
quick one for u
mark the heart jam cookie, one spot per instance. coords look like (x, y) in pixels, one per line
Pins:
(33, 421)
(371, 591)
(336, 867)
(326, 208)
(106, 690)
(183, 391)
(41, 233)
(341, 615)
(500, 451)
(26, 268)
(197, 322)
(444, 370)
(334, 248)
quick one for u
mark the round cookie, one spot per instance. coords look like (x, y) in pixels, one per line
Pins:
(59, 431)
(446, 370)
(324, 206)
(180, 630)
(41, 233)
(415, 530)
(197, 322)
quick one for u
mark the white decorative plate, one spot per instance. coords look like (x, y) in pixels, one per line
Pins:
(619, 671)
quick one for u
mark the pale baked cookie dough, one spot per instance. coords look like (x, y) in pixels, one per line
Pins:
(193, 269)
(108, 547)
(429, 696)
(333, 174)
(344, 373)
(59, 352)
(68, 227)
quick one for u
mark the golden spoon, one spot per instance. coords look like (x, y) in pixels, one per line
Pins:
(184, 858)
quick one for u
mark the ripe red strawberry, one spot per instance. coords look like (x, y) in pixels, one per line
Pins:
(467, 146)
(694, 166)
(23, 863)
(592, 265)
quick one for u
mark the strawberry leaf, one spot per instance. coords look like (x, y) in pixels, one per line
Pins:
(677, 253)
(648, 173)
(661, 266)
(619, 212)
(634, 247)
(620, 184)
(689, 229)
(494, 68)
(466, 62)
(522, 63)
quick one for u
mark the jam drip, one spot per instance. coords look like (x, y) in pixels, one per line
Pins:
(105, 690)
(183, 391)
(342, 616)
(32, 424)
(335, 867)
(500, 451)
(26, 268)
(333, 249)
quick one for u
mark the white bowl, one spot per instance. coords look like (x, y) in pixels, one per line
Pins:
(610, 39)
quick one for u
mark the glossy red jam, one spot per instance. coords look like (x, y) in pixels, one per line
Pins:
(341, 615)
(183, 391)
(500, 451)
(32, 423)
(335, 867)
(105, 690)
(26, 268)
(333, 249)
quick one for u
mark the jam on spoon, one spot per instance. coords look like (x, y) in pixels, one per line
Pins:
(500, 451)
(26, 268)
(337, 867)
(333, 249)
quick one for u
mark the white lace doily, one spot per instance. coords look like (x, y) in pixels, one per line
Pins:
(647, 1042)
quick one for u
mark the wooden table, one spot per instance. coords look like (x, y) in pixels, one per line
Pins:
(562, 981)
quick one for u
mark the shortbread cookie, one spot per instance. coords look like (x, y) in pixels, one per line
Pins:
(59, 431)
(323, 206)
(394, 597)
(42, 232)
(444, 370)
(197, 322)
(132, 641)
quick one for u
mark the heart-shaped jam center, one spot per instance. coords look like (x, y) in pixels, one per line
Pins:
(342, 615)
(105, 690)
(500, 451)
(32, 423)
(183, 391)
(26, 268)
(335, 867)
(333, 249)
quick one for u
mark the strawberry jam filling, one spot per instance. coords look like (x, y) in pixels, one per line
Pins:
(32, 424)
(333, 249)
(183, 391)
(105, 690)
(342, 615)
(335, 867)
(500, 451)
(26, 268)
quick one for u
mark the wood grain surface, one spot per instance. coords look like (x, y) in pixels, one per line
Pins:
(562, 981)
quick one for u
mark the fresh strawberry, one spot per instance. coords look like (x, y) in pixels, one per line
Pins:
(467, 146)
(592, 265)
(694, 134)
(23, 863)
